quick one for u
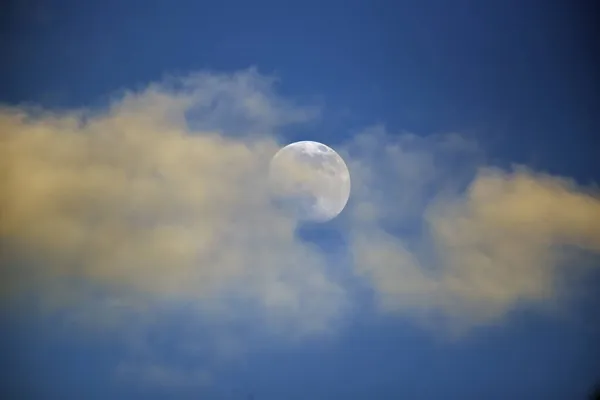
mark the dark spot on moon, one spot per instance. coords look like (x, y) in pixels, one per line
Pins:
(319, 193)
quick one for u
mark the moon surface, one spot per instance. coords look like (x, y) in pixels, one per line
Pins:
(310, 181)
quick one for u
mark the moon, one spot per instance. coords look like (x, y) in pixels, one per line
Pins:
(310, 181)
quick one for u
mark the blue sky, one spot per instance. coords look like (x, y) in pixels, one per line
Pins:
(465, 265)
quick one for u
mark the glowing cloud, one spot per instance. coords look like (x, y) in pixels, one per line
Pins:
(485, 240)
(162, 197)
(135, 201)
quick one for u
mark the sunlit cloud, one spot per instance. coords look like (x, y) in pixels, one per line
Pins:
(135, 201)
(483, 241)
(162, 198)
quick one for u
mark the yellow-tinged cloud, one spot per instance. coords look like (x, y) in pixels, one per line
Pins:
(135, 200)
(509, 238)
(163, 195)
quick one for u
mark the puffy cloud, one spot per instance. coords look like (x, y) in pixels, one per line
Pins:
(135, 200)
(162, 197)
(485, 242)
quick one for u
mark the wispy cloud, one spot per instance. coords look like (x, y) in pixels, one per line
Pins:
(162, 197)
(134, 200)
(484, 241)
(160, 375)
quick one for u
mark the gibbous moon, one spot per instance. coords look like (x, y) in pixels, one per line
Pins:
(309, 181)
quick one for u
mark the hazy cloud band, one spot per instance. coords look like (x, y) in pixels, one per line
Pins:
(163, 196)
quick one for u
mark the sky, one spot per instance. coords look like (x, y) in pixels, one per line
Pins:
(142, 259)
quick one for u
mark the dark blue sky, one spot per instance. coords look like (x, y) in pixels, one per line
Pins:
(517, 76)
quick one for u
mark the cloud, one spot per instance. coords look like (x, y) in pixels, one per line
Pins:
(162, 376)
(243, 103)
(134, 200)
(160, 200)
(485, 240)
